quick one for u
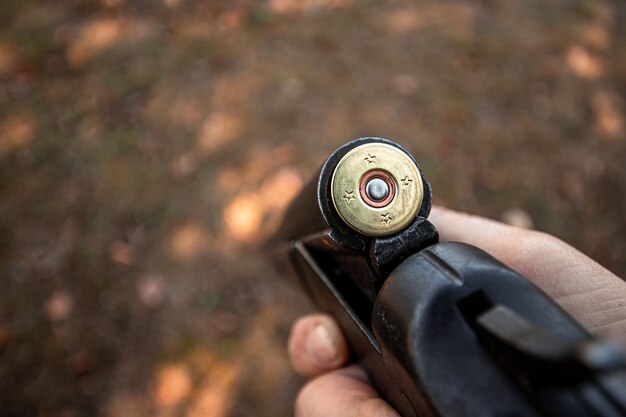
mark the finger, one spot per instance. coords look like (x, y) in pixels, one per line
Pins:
(342, 393)
(592, 294)
(316, 345)
(462, 227)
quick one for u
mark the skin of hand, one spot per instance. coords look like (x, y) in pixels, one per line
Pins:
(590, 293)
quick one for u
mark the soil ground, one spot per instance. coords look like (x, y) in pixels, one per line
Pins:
(147, 149)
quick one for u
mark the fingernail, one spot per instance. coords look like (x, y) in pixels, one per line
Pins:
(319, 345)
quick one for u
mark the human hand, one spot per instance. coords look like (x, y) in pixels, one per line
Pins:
(590, 293)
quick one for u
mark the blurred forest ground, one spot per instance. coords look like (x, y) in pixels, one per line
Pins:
(148, 147)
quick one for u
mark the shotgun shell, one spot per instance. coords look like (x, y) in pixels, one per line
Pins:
(377, 189)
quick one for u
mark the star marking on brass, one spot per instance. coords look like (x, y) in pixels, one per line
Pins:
(349, 197)
(386, 218)
(406, 181)
(371, 159)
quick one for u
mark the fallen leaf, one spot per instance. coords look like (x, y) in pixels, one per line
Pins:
(172, 385)
(151, 291)
(122, 253)
(8, 58)
(188, 241)
(279, 189)
(81, 363)
(184, 164)
(5, 336)
(582, 63)
(16, 131)
(59, 306)
(608, 111)
(243, 217)
(218, 130)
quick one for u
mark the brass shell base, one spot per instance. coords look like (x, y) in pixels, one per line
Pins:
(348, 179)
